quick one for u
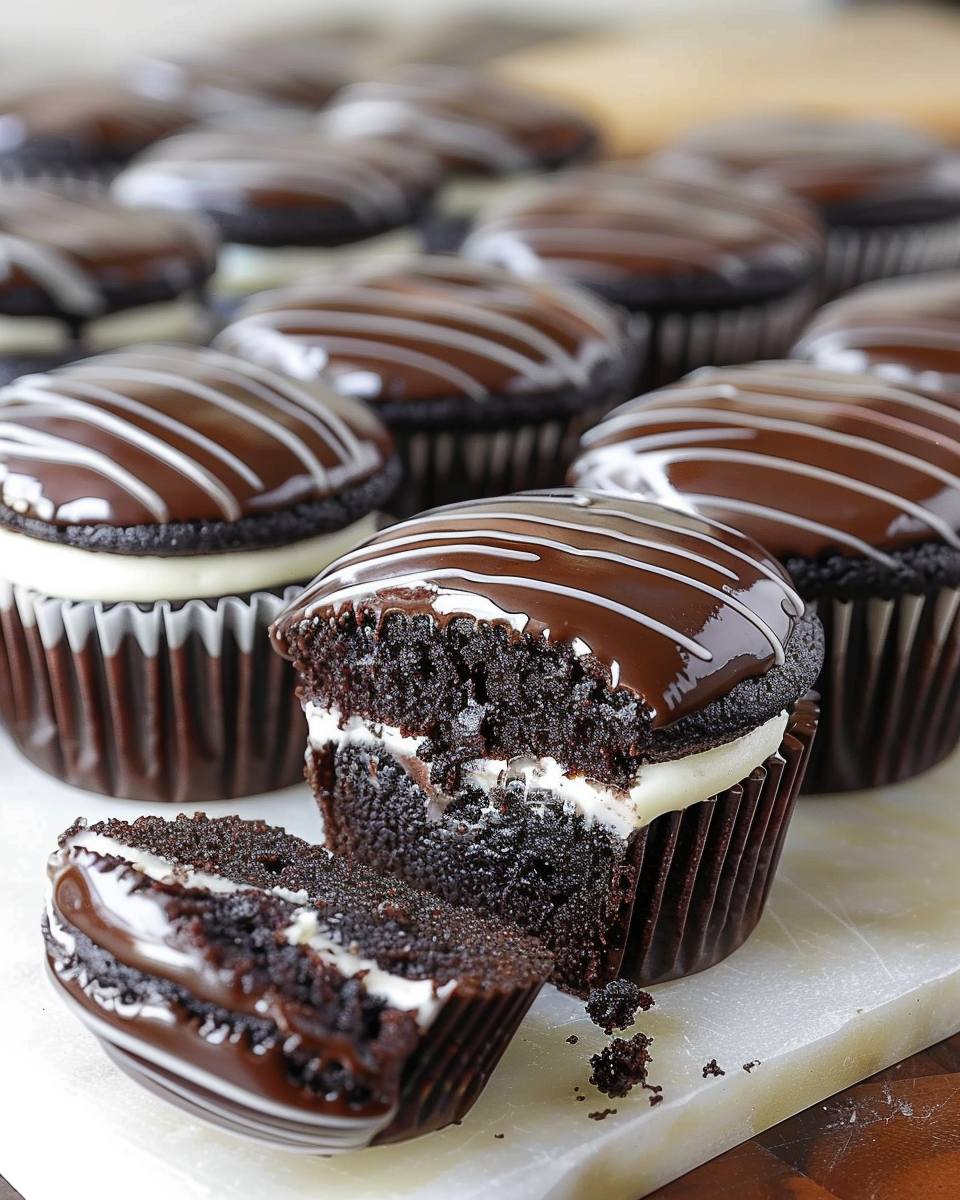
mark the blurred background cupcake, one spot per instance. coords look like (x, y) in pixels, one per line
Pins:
(907, 330)
(81, 273)
(889, 195)
(486, 379)
(854, 485)
(487, 135)
(725, 270)
(157, 507)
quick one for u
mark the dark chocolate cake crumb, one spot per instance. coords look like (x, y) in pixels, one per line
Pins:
(748, 1067)
(712, 1069)
(655, 1099)
(581, 1097)
(498, 1135)
(573, 1039)
(615, 1005)
(602, 1116)
(621, 1065)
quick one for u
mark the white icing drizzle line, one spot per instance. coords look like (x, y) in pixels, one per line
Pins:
(420, 997)
(659, 787)
(66, 281)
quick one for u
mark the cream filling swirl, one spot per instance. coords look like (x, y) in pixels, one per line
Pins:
(660, 787)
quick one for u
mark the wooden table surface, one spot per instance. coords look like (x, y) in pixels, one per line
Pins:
(896, 1136)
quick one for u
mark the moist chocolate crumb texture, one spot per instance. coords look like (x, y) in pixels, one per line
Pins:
(722, 267)
(485, 379)
(275, 992)
(907, 330)
(853, 484)
(284, 192)
(156, 506)
(82, 273)
(80, 129)
(890, 195)
(577, 713)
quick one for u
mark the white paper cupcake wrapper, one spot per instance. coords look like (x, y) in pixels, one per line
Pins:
(856, 256)
(890, 690)
(151, 702)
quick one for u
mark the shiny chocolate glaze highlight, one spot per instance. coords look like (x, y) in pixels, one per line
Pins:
(102, 121)
(619, 222)
(678, 609)
(907, 330)
(79, 258)
(160, 434)
(429, 328)
(472, 122)
(829, 162)
(808, 462)
(378, 184)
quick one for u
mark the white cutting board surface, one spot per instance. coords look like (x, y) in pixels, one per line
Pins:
(855, 964)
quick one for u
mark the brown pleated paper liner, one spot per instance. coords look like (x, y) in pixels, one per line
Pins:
(151, 702)
(890, 689)
(859, 255)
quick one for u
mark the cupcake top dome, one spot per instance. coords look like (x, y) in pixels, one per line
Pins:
(432, 328)
(647, 236)
(907, 330)
(472, 122)
(811, 463)
(675, 608)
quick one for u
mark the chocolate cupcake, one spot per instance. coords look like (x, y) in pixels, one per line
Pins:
(486, 380)
(581, 714)
(157, 506)
(907, 330)
(854, 485)
(725, 270)
(79, 274)
(81, 131)
(889, 195)
(229, 79)
(277, 196)
(275, 992)
(484, 131)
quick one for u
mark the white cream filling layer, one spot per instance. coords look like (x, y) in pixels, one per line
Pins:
(183, 320)
(242, 270)
(417, 996)
(660, 788)
(53, 569)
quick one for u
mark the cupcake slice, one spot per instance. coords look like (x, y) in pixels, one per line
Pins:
(272, 991)
(907, 330)
(82, 274)
(854, 485)
(80, 131)
(285, 199)
(156, 507)
(580, 714)
(725, 270)
(486, 380)
(889, 195)
(484, 131)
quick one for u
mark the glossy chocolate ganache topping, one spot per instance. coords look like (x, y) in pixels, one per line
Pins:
(472, 122)
(78, 258)
(829, 162)
(101, 121)
(811, 463)
(161, 435)
(431, 328)
(377, 184)
(617, 224)
(907, 330)
(677, 609)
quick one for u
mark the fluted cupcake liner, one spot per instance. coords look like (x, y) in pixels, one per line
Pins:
(72, 179)
(681, 342)
(890, 689)
(859, 255)
(448, 466)
(180, 702)
(704, 873)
